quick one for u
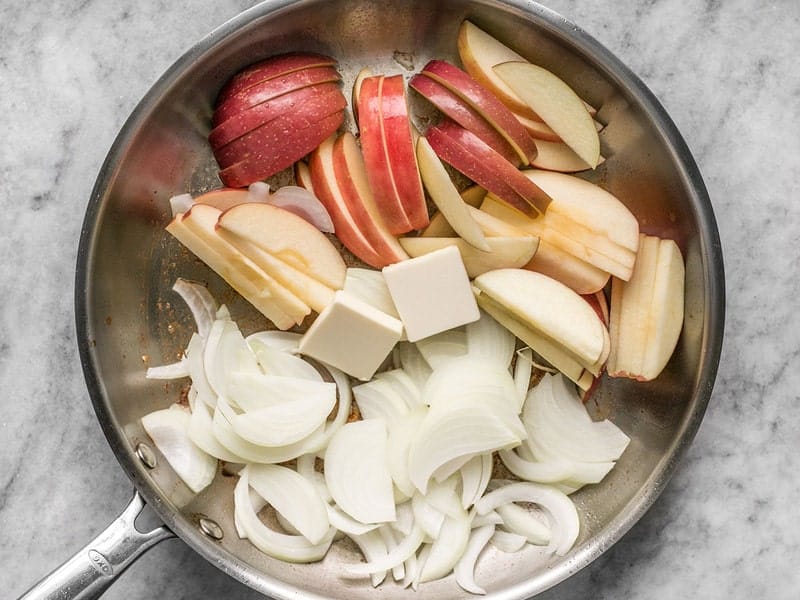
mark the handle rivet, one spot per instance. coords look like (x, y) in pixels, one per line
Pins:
(210, 528)
(146, 455)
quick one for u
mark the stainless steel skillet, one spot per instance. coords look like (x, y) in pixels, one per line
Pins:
(126, 265)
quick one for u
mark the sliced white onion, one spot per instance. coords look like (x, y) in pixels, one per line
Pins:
(291, 548)
(440, 348)
(397, 555)
(294, 497)
(403, 384)
(370, 286)
(491, 518)
(197, 372)
(356, 472)
(201, 432)
(401, 435)
(180, 203)
(373, 547)
(255, 391)
(257, 502)
(169, 430)
(560, 510)
(448, 548)
(387, 533)
(174, 370)
(488, 340)
(443, 497)
(404, 522)
(258, 192)
(522, 374)
(281, 362)
(426, 517)
(508, 542)
(554, 471)
(200, 302)
(304, 204)
(226, 351)
(378, 399)
(413, 363)
(520, 521)
(465, 568)
(306, 466)
(475, 476)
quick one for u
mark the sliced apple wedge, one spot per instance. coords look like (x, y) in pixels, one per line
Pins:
(557, 104)
(439, 227)
(315, 294)
(486, 104)
(196, 229)
(557, 156)
(360, 77)
(302, 175)
(573, 272)
(289, 238)
(550, 307)
(647, 311)
(446, 197)
(223, 198)
(503, 252)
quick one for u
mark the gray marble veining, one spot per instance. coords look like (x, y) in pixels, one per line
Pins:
(726, 527)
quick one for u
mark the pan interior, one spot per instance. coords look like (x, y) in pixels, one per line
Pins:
(128, 317)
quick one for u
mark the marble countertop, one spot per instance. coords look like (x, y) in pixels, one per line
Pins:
(726, 526)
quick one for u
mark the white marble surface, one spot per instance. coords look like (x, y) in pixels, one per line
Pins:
(726, 527)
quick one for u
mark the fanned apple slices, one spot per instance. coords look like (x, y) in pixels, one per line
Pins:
(277, 261)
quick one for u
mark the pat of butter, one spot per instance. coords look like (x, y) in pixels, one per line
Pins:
(352, 336)
(432, 293)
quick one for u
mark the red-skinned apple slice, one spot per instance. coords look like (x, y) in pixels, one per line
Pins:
(278, 148)
(439, 227)
(323, 98)
(376, 157)
(557, 156)
(271, 88)
(223, 198)
(503, 252)
(326, 188)
(302, 175)
(446, 197)
(351, 176)
(483, 101)
(462, 113)
(557, 104)
(271, 68)
(362, 75)
(465, 152)
(399, 145)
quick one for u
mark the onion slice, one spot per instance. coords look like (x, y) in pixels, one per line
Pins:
(200, 302)
(304, 204)
(465, 567)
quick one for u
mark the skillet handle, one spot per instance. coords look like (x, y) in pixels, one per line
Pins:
(95, 567)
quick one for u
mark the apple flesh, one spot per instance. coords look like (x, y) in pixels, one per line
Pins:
(486, 104)
(466, 153)
(557, 104)
(321, 99)
(351, 178)
(271, 88)
(196, 229)
(288, 238)
(439, 227)
(224, 198)
(462, 113)
(288, 146)
(271, 68)
(446, 197)
(557, 156)
(647, 311)
(302, 176)
(502, 253)
(399, 144)
(551, 308)
(376, 157)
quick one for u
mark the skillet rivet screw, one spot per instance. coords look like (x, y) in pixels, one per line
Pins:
(146, 455)
(210, 528)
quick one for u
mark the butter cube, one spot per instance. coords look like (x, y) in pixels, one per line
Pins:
(351, 335)
(432, 293)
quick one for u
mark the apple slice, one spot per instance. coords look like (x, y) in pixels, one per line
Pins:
(399, 144)
(461, 112)
(269, 89)
(302, 175)
(320, 99)
(439, 227)
(466, 153)
(277, 148)
(550, 307)
(351, 177)
(446, 197)
(647, 311)
(376, 156)
(360, 77)
(326, 188)
(486, 104)
(502, 253)
(557, 104)
(552, 352)
(196, 229)
(270, 68)
(538, 129)
(312, 292)
(557, 156)
(289, 238)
